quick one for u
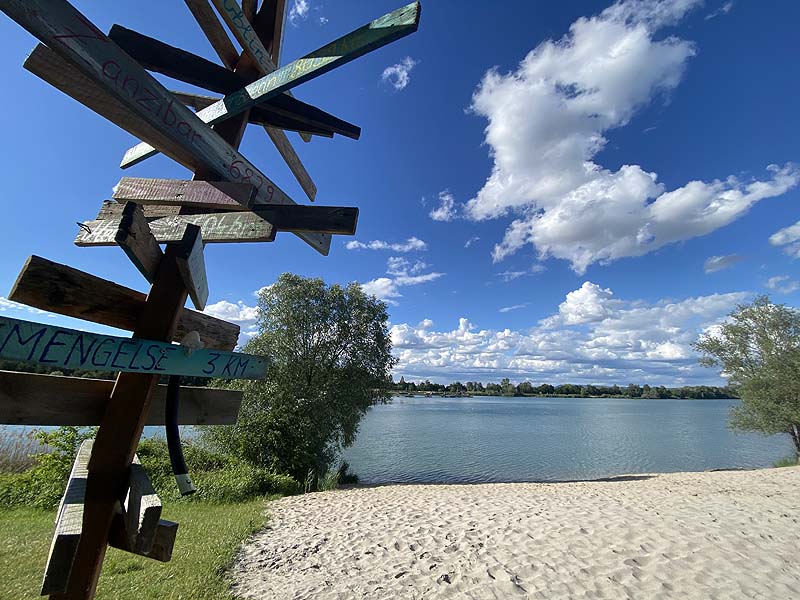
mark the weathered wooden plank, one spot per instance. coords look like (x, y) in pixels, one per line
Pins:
(341, 220)
(228, 227)
(163, 540)
(57, 288)
(110, 209)
(159, 57)
(249, 8)
(220, 195)
(374, 35)
(214, 32)
(141, 509)
(75, 38)
(269, 23)
(138, 242)
(192, 266)
(45, 400)
(243, 31)
(61, 74)
(65, 348)
(69, 525)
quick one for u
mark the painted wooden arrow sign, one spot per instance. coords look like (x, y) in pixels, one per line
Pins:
(65, 348)
(376, 34)
(76, 39)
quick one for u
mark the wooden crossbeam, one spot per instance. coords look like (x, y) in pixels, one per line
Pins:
(163, 539)
(141, 510)
(192, 266)
(65, 348)
(220, 195)
(64, 76)
(214, 32)
(45, 400)
(340, 220)
(372, 36)
(269, 22)
(249, 7)
(159, 57)
(57, 288)
(218, 228)
(70, 34)
(69, 525)
(138, 242)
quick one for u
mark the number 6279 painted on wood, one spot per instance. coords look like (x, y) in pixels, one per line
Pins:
(72, 349)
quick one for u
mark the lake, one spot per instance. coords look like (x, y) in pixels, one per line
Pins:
(490, 439)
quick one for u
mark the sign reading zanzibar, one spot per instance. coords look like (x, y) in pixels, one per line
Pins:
(72, 349)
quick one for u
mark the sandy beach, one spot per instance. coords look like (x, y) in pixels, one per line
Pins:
(729, 534)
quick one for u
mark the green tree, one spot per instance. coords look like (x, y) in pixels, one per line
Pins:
(758, 349)
(330, 357)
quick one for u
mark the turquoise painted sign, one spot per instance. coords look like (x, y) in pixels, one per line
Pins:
(71, 349)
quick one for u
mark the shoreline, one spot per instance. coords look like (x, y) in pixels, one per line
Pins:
(725, 534)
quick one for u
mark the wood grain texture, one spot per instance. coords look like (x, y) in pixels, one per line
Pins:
(159, 57)
(59, 25)
(341, 220)
(57, 288)
(269, 24)
(220, 195)
(214, 32)
(249, 7)
(192, 266)
(163, 539)
(69, 525)
(66, 348)
(228, 227)
(64, 76)
(52, 400)
(374, 35)
(141, 509)
(138, 242)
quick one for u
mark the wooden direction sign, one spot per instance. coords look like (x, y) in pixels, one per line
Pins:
(75, 38)
(192, 266)
(229, 227)
(374, 35)
(44, 400)
(138, 242)
(71, 349)
(217, 195)
(69, 525)
(67, 291)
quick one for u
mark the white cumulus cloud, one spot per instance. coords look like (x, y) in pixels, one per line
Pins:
(399, 75)
(548, 119)
(783, 284)
(401, 273)
(299, 11)
(592, 337)
(410, 245)
(240, 313)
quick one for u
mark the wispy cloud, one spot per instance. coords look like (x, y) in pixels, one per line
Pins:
(399, 75)
(401, 273)
(722, 10)
(718, 263)
(512, 275)
(298, 12)
(789, 238)
(783, 284)
(471, 241)
(410, 245)
(446, 211)
(506, 309)
(7, 305)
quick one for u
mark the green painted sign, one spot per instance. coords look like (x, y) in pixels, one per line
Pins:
(71, 349)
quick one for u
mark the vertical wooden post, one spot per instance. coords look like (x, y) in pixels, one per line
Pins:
(120, 430)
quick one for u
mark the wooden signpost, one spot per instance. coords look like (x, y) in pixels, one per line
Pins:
(109, 499)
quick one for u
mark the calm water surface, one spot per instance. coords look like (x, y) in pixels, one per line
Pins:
(531, 439)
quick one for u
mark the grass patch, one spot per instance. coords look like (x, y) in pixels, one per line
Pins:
(789, 461)
(208, 537)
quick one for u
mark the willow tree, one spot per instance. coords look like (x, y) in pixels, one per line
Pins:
(758, 350)
(329, 353)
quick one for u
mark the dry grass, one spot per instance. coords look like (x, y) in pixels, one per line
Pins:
(17, 449)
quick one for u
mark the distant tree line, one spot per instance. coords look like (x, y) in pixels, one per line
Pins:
(526, 388)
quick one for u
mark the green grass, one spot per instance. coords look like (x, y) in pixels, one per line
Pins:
(208, 537)
(789, 461)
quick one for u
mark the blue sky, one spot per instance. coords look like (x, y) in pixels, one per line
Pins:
(558, 192)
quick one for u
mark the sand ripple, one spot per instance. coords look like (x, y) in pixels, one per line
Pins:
(683, 535)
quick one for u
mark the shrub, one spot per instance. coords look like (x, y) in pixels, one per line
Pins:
(789, 461)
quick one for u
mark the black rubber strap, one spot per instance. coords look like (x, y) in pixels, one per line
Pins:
(179, 469)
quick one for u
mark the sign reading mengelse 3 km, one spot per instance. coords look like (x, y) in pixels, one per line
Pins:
(72, 349)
